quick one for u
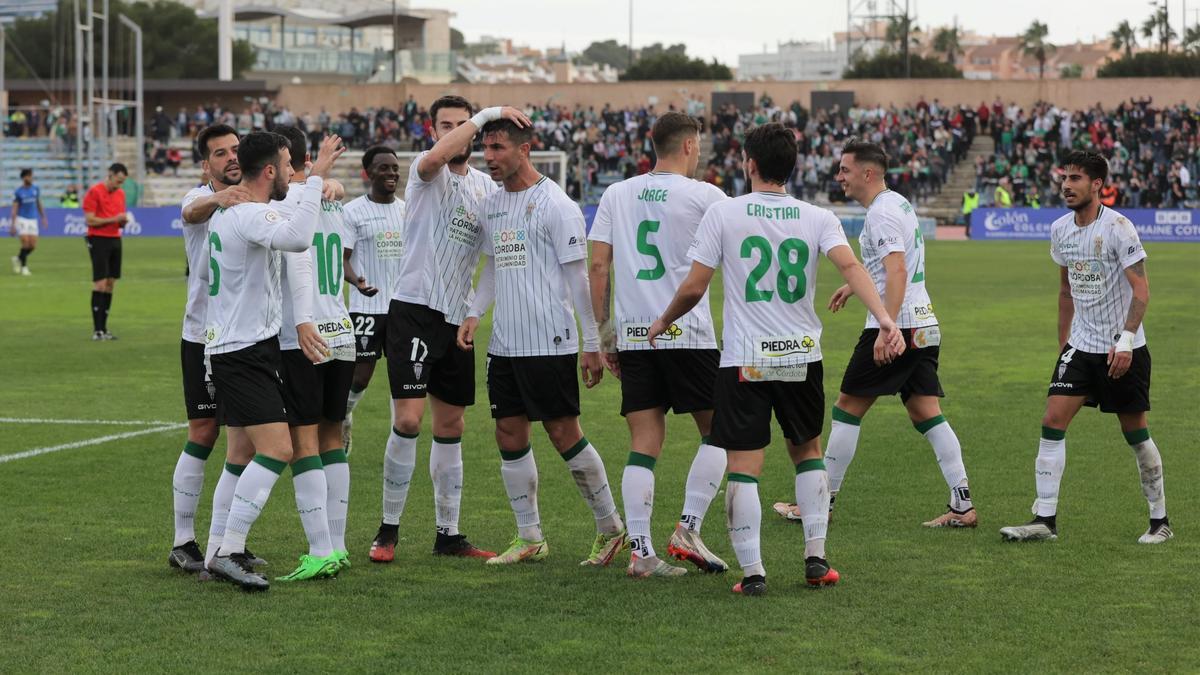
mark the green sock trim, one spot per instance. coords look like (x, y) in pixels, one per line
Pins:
(270, 463)
(844, 417)
(307, 464)
(742, 478)
(196, 450)
(335, 456)
(516, 454)
(447, 440)
(704, 440)
(810, 465)
(575, 449)
(929, 423)
(403, 435)
(1052, 434)
(1137, 436)
(638, 459)
(235, 469)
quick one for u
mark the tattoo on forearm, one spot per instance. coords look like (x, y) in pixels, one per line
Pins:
(1137, 310)
(604, 309)
(1139, 268)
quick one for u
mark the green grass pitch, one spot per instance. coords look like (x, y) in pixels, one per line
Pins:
(84, 531)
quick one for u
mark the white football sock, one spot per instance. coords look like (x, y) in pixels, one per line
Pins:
(1048, 470)
(843, 443)
(637, 493)
(446, 471)
(743, 513)
(399, 461)
(1150, 468)
(812, 500)
(703, 482)
(588, 471)
(249, 497)
(949, 457)
(222, 499)
(312, 492)
(337, 503)
(519, 472)
(187, 484)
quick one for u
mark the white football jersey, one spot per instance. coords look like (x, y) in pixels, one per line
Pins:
(195, 245)
(531, 234)
(768, 244)
(244, 303)
(891, 226)
(375, 234)
(319, 270)
(1095, 257)
(442, 239)
(650, 221)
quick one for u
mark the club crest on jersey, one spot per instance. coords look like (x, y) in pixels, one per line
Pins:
(529, 211)
(780, 346)
(363, 341)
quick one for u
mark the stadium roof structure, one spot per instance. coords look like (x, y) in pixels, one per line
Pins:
(11, 10)
(312, 16)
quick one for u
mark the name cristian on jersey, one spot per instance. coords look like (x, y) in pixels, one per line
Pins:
(773, 212)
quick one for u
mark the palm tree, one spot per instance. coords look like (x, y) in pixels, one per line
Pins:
(1191, 39)
(1124, 37)
(946, 42)
(1033, 43)
(896, 29)
(1160, 23)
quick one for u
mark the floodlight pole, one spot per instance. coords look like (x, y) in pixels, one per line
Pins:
(140, 97)
(104, 130)
(91, 86)
(81, 172)
(3, 102)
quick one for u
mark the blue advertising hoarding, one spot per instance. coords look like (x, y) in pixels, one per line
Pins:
(148, 221)
(1177, 225)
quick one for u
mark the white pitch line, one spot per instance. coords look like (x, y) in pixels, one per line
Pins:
(91, 441)
(39, 420)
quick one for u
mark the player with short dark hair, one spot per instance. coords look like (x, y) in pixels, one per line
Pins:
(768, 243)
(1104, 361)
(647, 223)
(893, 251)
(105, 214)
(26, 212)
(535, 269)
(442, 226)
(373, 248)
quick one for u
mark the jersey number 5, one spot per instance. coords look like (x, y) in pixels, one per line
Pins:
(793, 258)
(650, 250)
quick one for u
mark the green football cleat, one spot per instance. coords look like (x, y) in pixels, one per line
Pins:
(312, 567)
(520, 551)
(605, 548)
(343, 560)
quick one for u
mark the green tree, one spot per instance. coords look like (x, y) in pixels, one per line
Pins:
(1154, 64)
(608, 51)
(1071, 71)
(897, 28)
(178, 44)
(457, 41)
(1159, 23)
(673, 66)
(946, 41)
(889, 65)
(657, 49)
(1033, 43)
(1191, 39)
(1124, 37)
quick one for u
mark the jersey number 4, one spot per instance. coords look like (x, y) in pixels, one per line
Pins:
(793, 258)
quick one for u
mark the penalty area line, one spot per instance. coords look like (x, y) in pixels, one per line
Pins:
(91, 441)
(40, 420)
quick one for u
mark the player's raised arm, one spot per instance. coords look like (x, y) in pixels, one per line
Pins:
(296, 233)
(450, 143)
(890, 343)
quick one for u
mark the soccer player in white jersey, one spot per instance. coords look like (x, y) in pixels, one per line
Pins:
(1104, 362)
(243, 322)
(218, 146)
(429, 299)
(647, 224)
(373, 247)
(535, 270)
(316, 342)
(893, 252)
(769, 243)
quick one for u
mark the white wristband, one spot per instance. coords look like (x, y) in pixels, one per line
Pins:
(486, 115)
(1125, 341)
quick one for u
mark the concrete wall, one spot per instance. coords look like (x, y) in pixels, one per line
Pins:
(1074, 94)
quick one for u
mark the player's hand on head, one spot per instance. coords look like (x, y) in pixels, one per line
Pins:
(516, 116)
(311, 343)
(232, 196)
(591, 368)
(839, 298)
(466, 333)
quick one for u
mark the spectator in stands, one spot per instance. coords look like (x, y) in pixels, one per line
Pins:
(1002, 197)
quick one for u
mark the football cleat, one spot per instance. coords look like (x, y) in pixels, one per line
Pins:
(383, 549)
(952, 518)
(787, 510)
(254, 560)
(97, 336)
(457, 545)
(25, 272)
(236, 569)
(1157, 535)
(817, 572)
(755, 584)
(16, 263)
(108, 336)
(1034, 530)
(186, 557)
(641, 568)
(343, 558)
(520, 551)
(605, 547)
(686, 545)
(312, 567)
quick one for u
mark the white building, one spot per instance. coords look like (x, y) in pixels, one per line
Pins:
(794, 61)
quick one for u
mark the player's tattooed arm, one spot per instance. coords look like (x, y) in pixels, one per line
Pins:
(601, 288)
(1136, 275)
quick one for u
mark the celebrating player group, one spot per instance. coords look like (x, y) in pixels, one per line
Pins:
(271, 351)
